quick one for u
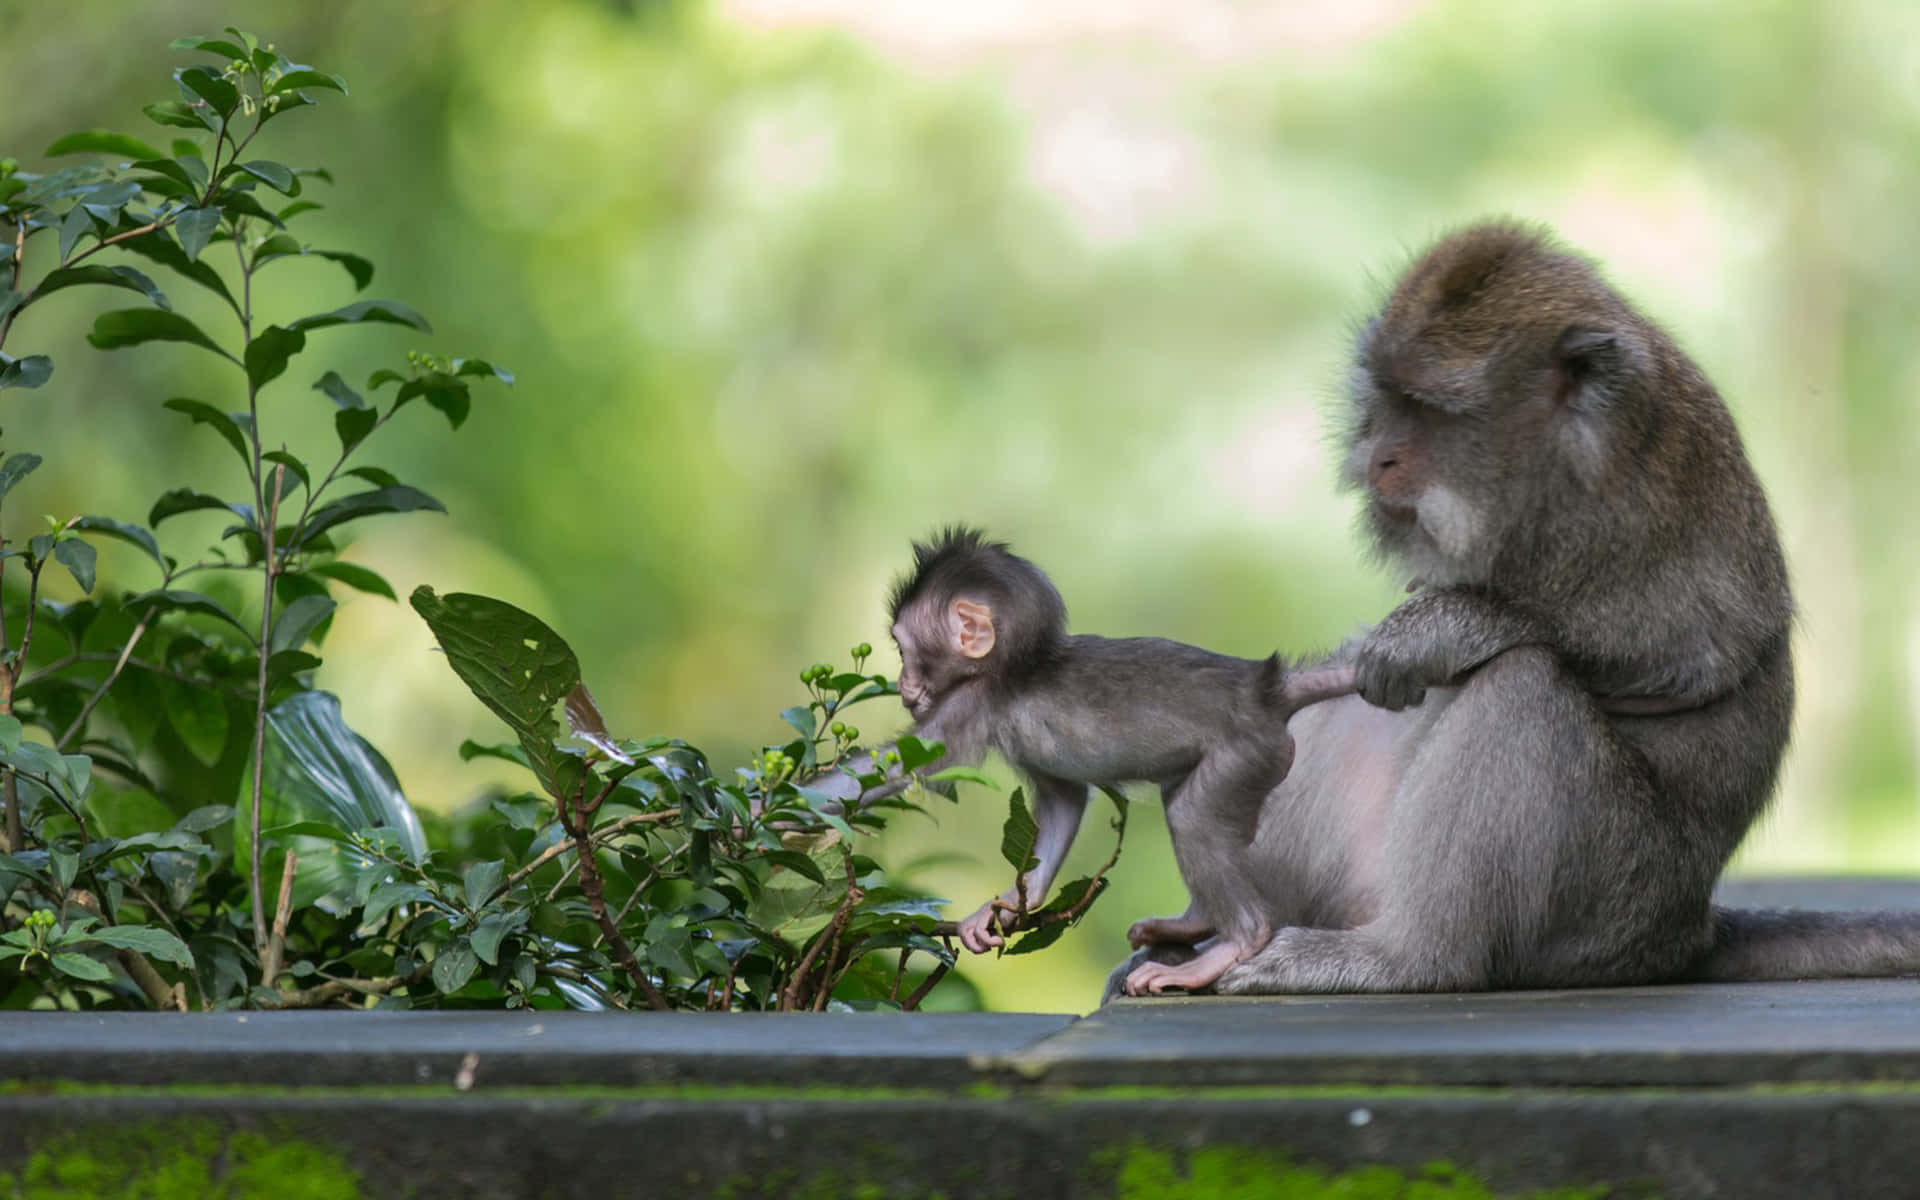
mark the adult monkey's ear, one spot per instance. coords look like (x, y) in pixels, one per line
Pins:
(972, 624)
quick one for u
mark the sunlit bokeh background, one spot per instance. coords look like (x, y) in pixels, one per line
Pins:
(788, 282)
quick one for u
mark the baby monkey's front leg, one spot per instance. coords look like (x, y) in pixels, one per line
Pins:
(1057, 808)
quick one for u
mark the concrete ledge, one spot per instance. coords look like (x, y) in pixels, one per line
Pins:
(1754, 1091)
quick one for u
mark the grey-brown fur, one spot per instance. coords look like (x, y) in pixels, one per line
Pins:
(1570, 727)
(1070, 711)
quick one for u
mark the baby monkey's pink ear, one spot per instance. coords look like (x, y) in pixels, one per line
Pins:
(972, 628)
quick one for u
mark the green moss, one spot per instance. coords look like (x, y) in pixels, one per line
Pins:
(179, 1160)
(1144, 1173)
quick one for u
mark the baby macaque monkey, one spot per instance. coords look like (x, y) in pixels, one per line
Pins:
(987, 664)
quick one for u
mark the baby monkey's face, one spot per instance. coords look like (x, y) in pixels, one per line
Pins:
(914, 693)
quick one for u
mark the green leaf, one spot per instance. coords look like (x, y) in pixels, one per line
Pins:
(796, 862)
(161, 248)
(492, 930)
(207, 816)
(801, 717)
(10, 733)
(366, 504)
(314, 829)
(224, 49)
(208, 85)
(963, 775)
(359, 268)
(131, 534)
(145, 939)
(273, 174)
(455, 967)
(298, 620)
(120, 277)
(172, 172)
(319, 769)
(178, 115)
(336, 388)
(101, 141)
(268, 352)
(178, 600)
(206, 414)
(196, 228)
(28, 372)
(296, 208)
(16, 468)
(282, 246)
(288, 102)
(514, 664)
(180, 500)
(79, 966)
(915, 753)
(199, 716)
(390, 312)
(443, 392)
(285, 664)
(1037, 939)
(75, 225)
(480, 366)
(63, 863)
(377, 476)
(670, 947)
(310, 78)
(1018, 833)
(186, 157)
(353, 425)
(133, 326)
(78, 558)
(107, 199)
(470, 750)
(295, 468)
(481, 880)
(389, 896)
(355, 576)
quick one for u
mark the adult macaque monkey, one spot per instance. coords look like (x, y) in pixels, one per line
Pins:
(987, 664)
(1597, 571)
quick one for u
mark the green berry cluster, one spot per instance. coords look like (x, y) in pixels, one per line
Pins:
(776, 765)
(41, 918)
(817, 672)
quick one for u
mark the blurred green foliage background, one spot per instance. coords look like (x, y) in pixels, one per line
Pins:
(788, 282)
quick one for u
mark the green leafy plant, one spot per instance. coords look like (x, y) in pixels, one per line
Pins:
(200, 683)
(746, 891)
(165, 758)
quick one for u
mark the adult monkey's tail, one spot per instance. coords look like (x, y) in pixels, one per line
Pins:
(1794, 943)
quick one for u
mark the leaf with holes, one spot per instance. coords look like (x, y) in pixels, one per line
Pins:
(515, 665)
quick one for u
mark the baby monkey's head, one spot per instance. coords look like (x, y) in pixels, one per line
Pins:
(970, 611)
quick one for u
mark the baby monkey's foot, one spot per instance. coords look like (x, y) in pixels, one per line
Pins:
(1151, 979)
(1156, 931)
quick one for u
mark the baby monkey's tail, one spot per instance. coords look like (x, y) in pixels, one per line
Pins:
(1286, 690)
